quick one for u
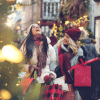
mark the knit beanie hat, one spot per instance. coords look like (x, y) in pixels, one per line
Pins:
(74, 33)
(87, 40)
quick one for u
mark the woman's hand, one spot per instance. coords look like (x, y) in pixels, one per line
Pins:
(31, 68)
(34, 68)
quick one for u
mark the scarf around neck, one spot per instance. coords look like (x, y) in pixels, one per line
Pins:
(64, 48)
(41, 57)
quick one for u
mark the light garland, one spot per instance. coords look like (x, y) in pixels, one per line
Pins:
(79, 22)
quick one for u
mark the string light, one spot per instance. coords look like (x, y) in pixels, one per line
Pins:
(67, 22)
(79, 22)
(14, 15)
(60, 33)
(81, 28)
(60, 28)
(1, 41)
(6, 84)
(18, 81)
(23, 22)
(10, 72)
(17, 84)
(18, 7)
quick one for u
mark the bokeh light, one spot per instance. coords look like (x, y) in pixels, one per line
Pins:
(2, 58)
(5, 95)
(12, 54)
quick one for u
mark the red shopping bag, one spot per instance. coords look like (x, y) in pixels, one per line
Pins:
(53, 92)
(82, 74)
(25, 83)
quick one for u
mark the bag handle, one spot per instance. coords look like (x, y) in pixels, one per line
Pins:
(89, 61)
(82, 62)
(92, 60)
(86, 62)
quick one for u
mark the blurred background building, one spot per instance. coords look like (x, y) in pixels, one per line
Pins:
(46, 13)
(43, 12)
(49, 14)
(95, 21)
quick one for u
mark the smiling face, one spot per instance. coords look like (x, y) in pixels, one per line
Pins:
(36, 30)
(66, 38)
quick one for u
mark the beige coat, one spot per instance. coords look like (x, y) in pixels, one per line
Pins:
(51, 60)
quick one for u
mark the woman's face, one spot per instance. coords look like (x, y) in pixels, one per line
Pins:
(66, 38)
(36, 30)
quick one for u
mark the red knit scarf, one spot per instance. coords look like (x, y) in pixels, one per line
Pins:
(41, 55)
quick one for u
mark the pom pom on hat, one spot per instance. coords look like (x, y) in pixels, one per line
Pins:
(74, 33)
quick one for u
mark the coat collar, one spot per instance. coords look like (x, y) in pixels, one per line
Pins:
(64, 48)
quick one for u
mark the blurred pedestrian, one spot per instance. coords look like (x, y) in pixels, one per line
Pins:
(91, 93)
(89, 49)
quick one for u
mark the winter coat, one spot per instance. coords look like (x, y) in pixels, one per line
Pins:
(50, 63)
(60, 58)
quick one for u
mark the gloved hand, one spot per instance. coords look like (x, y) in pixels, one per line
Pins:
(82, 57)
(47, 79)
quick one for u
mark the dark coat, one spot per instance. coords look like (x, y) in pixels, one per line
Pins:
(87, 93)
(89, 51)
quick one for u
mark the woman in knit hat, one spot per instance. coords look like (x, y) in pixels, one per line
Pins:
(68, 52)
(40, 57)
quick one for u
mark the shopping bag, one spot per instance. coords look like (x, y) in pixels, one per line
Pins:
(25, 83)
(82, 74)
(61, 81)
(70, 95)
(53, 92)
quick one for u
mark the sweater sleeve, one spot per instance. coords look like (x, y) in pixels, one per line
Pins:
(74, 60)
(57, 57)
(52, 58)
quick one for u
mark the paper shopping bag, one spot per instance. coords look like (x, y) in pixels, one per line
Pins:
(82, 73)
(25, 83)
(82, 76)
(53, 92)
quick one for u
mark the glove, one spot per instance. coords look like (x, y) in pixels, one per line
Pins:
(47, 79)
(82, 57)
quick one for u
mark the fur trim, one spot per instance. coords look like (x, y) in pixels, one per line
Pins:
(48, 40)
